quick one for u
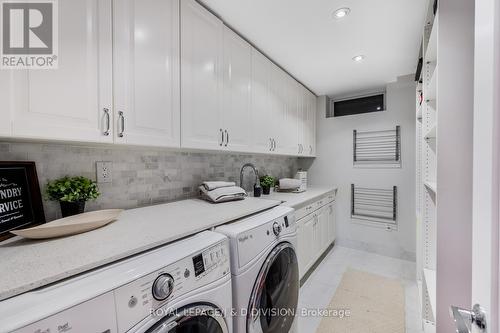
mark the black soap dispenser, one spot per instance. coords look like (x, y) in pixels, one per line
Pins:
(257, 189)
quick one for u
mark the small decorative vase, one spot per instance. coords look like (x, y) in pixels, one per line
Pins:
(72, 208)
(266, 189)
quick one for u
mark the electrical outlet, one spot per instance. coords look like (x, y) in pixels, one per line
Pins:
(103, 170)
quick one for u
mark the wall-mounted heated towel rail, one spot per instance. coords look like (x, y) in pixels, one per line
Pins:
(377, 148)
(376, 205)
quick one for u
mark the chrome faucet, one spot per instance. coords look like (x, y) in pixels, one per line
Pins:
(249, 165)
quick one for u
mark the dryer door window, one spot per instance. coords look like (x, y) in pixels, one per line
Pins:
(274, 298)
(192, 319)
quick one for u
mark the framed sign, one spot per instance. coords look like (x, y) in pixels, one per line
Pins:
(20, 199)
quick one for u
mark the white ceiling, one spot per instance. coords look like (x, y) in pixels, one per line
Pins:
(302, 37)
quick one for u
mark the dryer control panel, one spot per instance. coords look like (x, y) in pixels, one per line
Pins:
(257, 237)
(140, 298)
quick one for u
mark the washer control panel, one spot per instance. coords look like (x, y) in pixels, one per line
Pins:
(140, 298)
(96, 315)
(250, 242)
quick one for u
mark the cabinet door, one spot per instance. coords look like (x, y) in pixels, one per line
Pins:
(236, 115)
(146, 80)
(331, 223)
(277, 112)
(290, 122)
(310, 150)
(302, 122)
(201, 77)
(305, 235)
(72, 102)
(323, 230)
(261, 103)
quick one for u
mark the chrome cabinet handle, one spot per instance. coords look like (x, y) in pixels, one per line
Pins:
(121, 119)
(108, 124)
(221, 137)
(227, 137)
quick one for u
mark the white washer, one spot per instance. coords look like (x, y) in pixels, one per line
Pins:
(265, 272)
(181, 287)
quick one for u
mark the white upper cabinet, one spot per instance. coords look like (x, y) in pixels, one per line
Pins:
(236, 116)
(290, 118)
(261, 103)
(306, 129)
(162, 73)
(201, 78)
(73, 102)
(146, 72)
(302, 128)
(310, 150)
(279, 110)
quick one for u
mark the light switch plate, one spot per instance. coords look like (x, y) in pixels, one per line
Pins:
(103, 170)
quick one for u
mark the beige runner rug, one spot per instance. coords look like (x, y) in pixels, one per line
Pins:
(373, 304)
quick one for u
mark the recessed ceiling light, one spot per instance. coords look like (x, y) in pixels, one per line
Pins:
(358, 58)
(341, 13)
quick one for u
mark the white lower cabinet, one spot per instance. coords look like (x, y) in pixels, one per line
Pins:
(146, 72)
(323, 221)
(305, 242)
(315, 233)
(74, 101)
(331, 222)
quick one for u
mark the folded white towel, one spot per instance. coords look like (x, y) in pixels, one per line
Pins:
(223, 194)
(217, 184)
(289, 183)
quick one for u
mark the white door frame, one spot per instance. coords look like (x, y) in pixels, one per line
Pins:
(486, 204)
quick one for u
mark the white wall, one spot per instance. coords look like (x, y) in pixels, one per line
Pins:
(334, 166)
(455, 119)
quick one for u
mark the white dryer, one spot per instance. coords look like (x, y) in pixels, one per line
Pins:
(182, 287)
(265, 272)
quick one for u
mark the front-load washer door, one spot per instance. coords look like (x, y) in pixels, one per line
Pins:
(274, 298)
(197, 318)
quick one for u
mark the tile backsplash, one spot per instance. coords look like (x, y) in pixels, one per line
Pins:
(140, 176)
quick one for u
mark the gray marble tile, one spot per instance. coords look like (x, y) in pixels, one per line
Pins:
(141, 176)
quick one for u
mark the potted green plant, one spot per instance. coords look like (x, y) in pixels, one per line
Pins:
(72, 193)
(267, 182)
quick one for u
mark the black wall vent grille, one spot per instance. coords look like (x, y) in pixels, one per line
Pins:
(358, 105)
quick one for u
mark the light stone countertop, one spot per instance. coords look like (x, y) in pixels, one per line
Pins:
(297, 200)
(28, 264)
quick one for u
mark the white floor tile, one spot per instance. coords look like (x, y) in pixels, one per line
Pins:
(320, 287)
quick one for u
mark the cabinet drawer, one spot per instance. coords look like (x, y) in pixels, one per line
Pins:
(315, 205)
(320, 203)
(304, 211)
